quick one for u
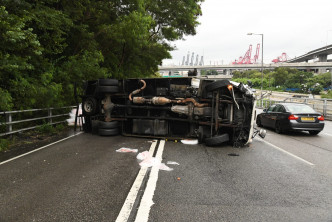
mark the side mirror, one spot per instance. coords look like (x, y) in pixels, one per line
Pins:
(262, 133)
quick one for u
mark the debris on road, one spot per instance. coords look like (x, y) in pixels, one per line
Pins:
(72, 114)
(127, 150)
(148, 161)
(172, 163)
(189, 142)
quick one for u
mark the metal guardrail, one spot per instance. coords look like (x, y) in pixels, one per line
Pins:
(324, 106)
(9, 119)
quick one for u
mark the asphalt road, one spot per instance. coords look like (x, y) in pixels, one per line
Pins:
(282, 178)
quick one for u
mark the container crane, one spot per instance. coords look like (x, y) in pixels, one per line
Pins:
(282, 58)
(255, 59)
(246, 59)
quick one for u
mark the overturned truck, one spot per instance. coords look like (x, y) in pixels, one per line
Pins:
(212, 111)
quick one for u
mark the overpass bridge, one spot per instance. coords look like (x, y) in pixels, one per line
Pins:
(323, 65)
(227, 69)
(320, 53)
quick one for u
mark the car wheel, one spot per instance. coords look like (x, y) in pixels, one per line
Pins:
(314, 132)
(108, 89)
(89, 106)
(108, 125)
(217, 140)
(259, 122)
(108, 82)
(108, 132)
(278, 128)
(216, 85)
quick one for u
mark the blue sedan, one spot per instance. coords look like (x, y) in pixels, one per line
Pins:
(291, 117)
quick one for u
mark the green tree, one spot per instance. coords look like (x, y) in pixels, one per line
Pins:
(46, 46)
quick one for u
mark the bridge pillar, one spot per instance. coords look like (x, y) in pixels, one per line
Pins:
(171, 73)
(198, 73)
(322, 58)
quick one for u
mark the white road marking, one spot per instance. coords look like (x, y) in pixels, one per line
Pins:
(284, 151)
(40, 148)
(132, 195)
(147, 199)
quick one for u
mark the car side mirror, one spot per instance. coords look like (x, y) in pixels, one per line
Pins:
(262, 133)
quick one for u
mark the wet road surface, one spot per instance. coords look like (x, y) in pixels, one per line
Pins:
(281, 178)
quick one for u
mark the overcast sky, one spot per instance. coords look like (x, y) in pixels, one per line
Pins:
(291, 26)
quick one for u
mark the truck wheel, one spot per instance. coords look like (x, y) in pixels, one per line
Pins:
(108, 132)
(89, 106)
(108, 125)
(108, 82)
(108, 89)
(216, 85)
(217, 140)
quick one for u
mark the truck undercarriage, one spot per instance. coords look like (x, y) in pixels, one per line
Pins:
(212, 111)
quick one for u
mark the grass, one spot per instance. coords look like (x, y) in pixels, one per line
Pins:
(25, 138)
(328, 95)
(4, 144)
(46, 129)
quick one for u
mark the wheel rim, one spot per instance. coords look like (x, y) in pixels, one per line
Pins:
(88, 106)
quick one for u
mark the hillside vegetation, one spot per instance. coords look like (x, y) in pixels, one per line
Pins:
(286, 79)
(46, 46)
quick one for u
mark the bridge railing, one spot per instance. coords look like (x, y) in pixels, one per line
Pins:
(21, 120)
(324, 106)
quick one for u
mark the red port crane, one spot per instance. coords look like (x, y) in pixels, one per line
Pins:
(282, 58)
(246, 59)
(257, 54)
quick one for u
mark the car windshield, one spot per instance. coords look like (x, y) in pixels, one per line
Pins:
(299, 108)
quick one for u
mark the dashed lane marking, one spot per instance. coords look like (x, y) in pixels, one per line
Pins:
(284, 151)
(40, 148)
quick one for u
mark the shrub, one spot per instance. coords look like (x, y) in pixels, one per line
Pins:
(4, 144)
(59, 127)
(45, 129)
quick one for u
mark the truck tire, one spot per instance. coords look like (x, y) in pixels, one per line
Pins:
(216, 85)
(108, 125)
(108, 82)
(217, 140)
(108, 132)
(89, 105)
(108, 89)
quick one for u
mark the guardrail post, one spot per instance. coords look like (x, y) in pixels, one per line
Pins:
(325, 107)
(50, 116)
(8, 122)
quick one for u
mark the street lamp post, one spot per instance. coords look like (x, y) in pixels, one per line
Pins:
(327, 39)
(262, 60)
